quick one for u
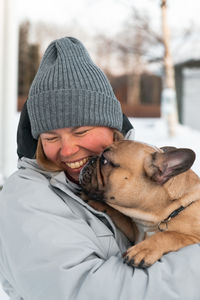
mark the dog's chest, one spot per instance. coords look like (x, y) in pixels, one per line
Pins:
(143, 233)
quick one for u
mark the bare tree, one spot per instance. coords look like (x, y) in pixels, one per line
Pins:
(132, 47)
(129, 51)
(43, 32)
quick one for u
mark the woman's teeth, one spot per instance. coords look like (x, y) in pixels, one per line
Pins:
(77, 164)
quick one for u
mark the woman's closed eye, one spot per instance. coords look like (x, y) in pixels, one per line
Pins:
(82, 132)
(51, 138)
(79, 131)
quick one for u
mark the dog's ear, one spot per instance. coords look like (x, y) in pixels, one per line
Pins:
(117, 136)
(42, 160)
(168, 148)
(160, 167)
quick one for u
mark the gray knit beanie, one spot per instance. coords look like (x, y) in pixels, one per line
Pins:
(70, 90)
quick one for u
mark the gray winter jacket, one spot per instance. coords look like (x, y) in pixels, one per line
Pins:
(53, 246)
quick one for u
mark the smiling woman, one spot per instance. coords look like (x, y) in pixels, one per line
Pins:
(53, 245)
(70, 148)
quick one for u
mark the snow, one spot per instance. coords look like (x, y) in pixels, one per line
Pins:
(153, 131)
(186, 48)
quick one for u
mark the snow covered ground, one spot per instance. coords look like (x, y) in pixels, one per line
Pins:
(153, 131)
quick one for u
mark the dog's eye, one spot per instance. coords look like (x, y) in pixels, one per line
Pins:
(104, 161)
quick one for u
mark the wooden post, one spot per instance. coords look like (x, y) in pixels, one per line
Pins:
(168, 100)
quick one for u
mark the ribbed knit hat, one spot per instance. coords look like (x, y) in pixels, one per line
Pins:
(70, 90)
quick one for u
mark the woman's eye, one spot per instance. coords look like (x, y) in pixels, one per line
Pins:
(51, 139)
(81, 132)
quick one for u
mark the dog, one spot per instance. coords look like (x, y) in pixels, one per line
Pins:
(150, 193)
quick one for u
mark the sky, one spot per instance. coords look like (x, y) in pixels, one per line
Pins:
(106, 15)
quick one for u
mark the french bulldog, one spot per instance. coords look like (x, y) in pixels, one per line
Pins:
(154, 188)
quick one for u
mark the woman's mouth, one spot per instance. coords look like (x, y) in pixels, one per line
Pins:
(77, 164)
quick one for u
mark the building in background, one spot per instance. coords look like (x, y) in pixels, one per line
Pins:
(148, 99)
(28, 62)
(187, 73)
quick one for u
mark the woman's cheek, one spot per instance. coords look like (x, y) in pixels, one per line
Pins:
(49, 150)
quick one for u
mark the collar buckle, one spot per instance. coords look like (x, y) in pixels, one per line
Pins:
(163, 225)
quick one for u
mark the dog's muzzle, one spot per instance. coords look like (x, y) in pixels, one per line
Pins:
(87, 172)
(89, 181)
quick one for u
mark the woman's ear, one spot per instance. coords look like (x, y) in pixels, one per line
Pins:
(117, 136)
(42, 160)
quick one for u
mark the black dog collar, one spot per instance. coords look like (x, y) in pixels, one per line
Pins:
(163, 225)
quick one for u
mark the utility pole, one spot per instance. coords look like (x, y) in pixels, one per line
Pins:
(168, 99)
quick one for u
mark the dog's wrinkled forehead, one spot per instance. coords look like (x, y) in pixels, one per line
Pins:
(156, 149)
(130, 154)
(126, 147)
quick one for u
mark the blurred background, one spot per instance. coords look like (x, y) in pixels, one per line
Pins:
(149, 49)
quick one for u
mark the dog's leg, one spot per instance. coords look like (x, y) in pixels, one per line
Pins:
(150, 250)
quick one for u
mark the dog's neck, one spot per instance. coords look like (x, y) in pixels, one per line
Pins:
(145, 230)
(142, 233)
(179, 191)
(146, 227)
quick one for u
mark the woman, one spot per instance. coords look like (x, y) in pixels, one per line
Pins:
(52, 244)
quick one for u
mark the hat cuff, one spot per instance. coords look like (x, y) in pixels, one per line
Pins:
(63, 108)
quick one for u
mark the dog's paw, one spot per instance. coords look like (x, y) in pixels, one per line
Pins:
(142, 255)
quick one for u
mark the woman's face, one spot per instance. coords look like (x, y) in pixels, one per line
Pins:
(70, 148)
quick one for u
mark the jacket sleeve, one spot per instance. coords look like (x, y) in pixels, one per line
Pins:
(53, 254)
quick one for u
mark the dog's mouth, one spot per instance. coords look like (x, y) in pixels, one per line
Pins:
(87, 172)
(91, 179)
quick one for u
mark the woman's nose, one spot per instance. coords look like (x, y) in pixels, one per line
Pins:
(68, 149)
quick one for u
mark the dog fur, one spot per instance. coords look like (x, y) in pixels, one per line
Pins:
(154, 188)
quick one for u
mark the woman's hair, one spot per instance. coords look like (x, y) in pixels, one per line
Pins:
(43, 161)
